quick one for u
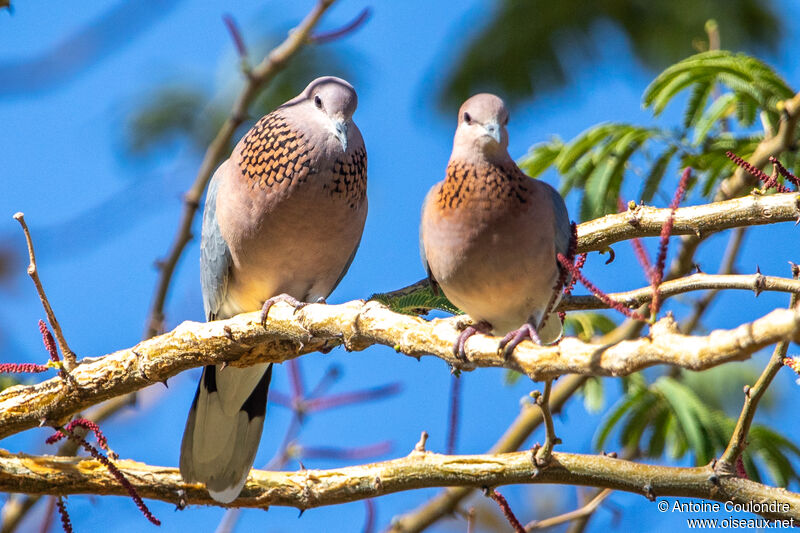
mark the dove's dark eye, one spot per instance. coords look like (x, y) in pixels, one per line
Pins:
(318, 102)
(505, 122)
(467, 118)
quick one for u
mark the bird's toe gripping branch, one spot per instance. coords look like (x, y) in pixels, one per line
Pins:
(459, 347)
(513, 338)
(291, 300)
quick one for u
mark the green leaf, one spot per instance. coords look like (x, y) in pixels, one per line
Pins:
(656, 174)
(587, 324)
(697, 102)
(540, 157)
(618, 411)
(583, 143)
(416, 299)
(718, 110)
(749, 78)
(593, 397)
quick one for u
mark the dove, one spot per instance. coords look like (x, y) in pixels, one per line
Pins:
(283, 219)
(489, 234)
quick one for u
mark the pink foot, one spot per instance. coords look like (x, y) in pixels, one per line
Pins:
(513, 338)
(458, 347)
(291, 300)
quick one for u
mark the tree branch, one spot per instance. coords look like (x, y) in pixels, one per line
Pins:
(517, 433)
(697, 282)
(420, 469)
(242, 341)
(698, 220)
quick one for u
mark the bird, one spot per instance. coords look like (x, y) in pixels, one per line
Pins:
(283, 218)
(490, 235)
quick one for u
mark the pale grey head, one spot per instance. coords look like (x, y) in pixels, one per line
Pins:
(330, 103)
(482, 122)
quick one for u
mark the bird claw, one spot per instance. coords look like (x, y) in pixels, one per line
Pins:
(513, 338)
(291, 300)
(460, 344)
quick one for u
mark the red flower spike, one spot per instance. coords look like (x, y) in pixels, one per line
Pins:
(756, 172)
(740, 471)
(597, 292)
(666, 230)
(509, 514)
(49, 342)
(62, 510)
(84, 423)
(102, 459)
(784, 172)
(22, 368)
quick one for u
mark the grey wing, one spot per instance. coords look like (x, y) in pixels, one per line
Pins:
(215, 256)
(434, 284)
(563, 225)
(347, 266)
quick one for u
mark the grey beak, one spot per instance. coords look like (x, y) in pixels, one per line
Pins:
(341, 132)
(493, 131)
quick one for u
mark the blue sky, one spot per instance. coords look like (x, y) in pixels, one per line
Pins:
(100, 220)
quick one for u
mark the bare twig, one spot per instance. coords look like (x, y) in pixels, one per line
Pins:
(542, 455)
(69, 355)
(696, 282)
(350, 27)
(585, 510)
(752, 396)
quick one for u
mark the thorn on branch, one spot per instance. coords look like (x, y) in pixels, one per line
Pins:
(420, 445)
(506, 509)
(611, 255)
(352, 26)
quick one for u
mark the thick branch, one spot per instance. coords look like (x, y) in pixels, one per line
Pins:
(243, 341)
(314, 488)
(698, 220)
(447, 501)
